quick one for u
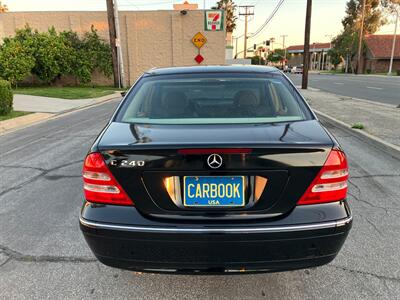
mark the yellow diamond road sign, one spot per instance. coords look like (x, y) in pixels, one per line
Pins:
(199, 40)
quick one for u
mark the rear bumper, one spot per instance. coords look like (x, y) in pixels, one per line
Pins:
(187, 248)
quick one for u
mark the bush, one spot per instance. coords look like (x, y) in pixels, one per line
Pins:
(369, 71)
(16, 60)
(6, 98)
(50, 55)
(398, 72)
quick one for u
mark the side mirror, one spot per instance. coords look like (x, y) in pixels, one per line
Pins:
(123, 94)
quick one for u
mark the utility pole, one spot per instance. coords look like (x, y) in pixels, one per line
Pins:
(284, 36)
(330, 36)
(394, 43)
(246, 11)
(272, 41)
(313, 58)
(113, 38)
(360, 38)
(121, 71)
(236, 46)
(306, 57)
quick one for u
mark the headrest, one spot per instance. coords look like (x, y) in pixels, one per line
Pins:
(246, 98)
(175, 100)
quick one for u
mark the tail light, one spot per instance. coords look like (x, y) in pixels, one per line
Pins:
(331, 182)
(99, 184)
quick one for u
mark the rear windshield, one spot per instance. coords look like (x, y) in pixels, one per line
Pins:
(213, 99)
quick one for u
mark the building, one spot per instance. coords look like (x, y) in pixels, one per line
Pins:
(186, 6)
(379, 51)
(319, 58)
(376, 57)
(148, 38)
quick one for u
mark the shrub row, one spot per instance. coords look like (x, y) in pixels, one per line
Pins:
(51, 54)
(6, 98)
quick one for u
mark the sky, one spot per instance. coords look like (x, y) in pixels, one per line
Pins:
(289, 20)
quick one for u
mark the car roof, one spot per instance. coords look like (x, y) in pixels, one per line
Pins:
(211, 69)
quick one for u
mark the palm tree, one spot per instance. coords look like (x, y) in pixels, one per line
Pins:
(229, 7)
(3, 8)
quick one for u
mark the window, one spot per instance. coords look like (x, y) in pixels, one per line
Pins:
(213, 99)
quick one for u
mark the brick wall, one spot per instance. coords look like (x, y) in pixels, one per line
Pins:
(382, 65)
(148, 38)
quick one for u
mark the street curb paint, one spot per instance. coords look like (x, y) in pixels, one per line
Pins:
(388, 148)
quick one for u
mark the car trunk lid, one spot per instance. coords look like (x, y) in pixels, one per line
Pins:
(287, 155)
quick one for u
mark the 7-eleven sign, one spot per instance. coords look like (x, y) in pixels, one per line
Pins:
(214, 20)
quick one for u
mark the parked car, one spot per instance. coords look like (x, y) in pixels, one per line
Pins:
(215, 169)
(287, 69)
(297, 70)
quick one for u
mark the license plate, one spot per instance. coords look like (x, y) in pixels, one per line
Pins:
(206, 191)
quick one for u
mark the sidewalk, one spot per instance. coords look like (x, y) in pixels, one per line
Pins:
(379, 120)
(54, 105)
(45, 108)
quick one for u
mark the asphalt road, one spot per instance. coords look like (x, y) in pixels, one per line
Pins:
(43, 254)
(376, 88)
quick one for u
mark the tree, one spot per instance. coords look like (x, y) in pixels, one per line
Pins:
(345, 48)
(391, 3)
(3, 8)
(88, 54)
(335, 57)
(50, 55)
(229, 7)
(276, 56)
(257, 60)
(345, 44)
(98, 52)
(374, 17)
(16, 61)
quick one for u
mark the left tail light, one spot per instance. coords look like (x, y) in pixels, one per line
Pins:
(331, 182)
(99, 184)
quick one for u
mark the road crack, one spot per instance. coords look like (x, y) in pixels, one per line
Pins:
(18, 256)
(23, 167)
(376, 175)
(358, 198)
(43, 173)
(381, 277)
(372, 224)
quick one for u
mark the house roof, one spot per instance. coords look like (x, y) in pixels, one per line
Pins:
(380, 45)
(316, 46)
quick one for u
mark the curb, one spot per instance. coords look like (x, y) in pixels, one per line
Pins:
(52, 116)
(388, 148)
(358, 75)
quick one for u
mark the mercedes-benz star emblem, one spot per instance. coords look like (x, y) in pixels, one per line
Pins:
(214, 161)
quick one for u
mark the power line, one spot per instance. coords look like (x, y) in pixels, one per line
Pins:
(261, 28)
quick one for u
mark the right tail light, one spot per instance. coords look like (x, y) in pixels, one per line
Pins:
(330, 185)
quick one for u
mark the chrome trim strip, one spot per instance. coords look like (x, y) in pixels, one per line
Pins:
(288, 228)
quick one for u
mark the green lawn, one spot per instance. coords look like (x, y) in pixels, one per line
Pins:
(67, 92)
(13, 114)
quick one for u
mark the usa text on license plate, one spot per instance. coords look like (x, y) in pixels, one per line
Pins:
(213, 191)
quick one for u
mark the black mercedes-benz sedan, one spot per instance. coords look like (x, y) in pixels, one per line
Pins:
(215, 169)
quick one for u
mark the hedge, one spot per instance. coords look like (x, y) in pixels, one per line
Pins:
(6, 98)
(51, 54)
